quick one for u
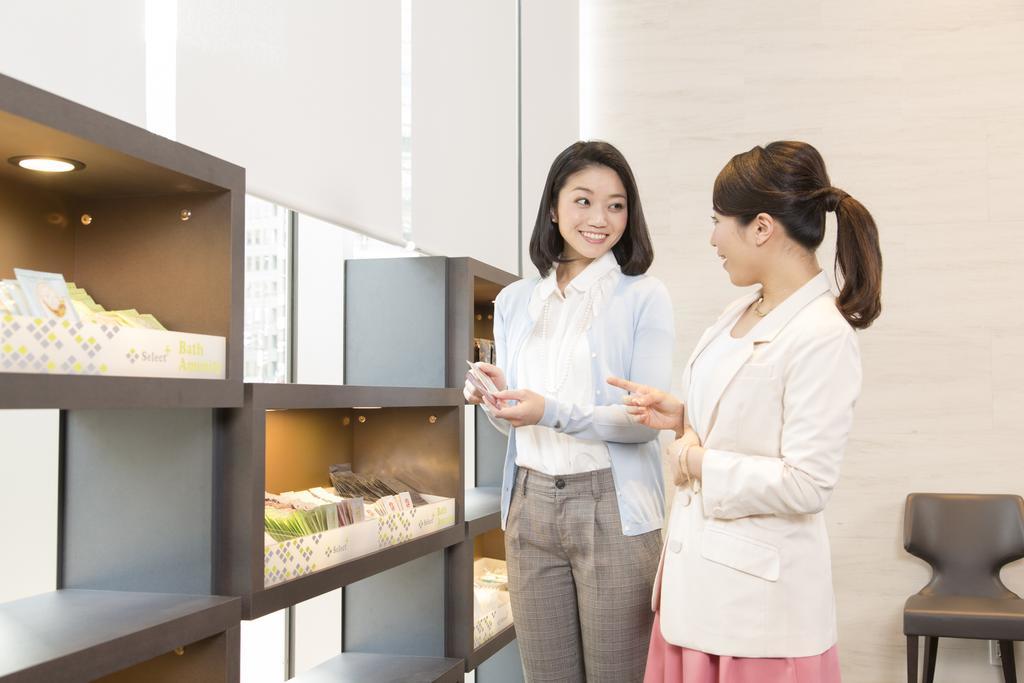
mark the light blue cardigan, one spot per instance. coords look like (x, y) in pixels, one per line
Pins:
(631, 336)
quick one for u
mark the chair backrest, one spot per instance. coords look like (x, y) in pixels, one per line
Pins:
(966, 538)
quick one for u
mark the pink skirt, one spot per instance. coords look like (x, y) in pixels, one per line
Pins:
(667, 663)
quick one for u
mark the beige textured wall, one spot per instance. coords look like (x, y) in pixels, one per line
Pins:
(918, 109)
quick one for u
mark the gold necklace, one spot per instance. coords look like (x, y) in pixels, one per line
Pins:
(757, 308)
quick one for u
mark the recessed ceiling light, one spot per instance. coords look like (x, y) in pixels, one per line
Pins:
(47, 164)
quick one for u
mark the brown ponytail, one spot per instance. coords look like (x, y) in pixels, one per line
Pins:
(788, 181)
(859, 259)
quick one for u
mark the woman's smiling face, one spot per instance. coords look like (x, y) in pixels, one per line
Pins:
(591, 213)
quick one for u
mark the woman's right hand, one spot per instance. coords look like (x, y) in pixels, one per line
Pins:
(651, 407)
(473, 394)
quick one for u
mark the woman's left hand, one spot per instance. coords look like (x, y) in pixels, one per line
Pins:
(528, 410)
(695, 457)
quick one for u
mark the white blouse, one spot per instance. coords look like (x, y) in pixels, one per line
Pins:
(722, 346)
(556, 362)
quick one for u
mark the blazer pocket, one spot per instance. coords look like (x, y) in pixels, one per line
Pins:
(741, 553)
(756, 371)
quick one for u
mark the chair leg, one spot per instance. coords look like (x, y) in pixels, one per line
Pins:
(1009, 666)
(911, 659)
(931, 651)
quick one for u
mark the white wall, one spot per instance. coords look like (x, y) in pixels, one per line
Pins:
(28, 463)
(918, 110)
(316, 631)
(464, 130)
(305, 95)
(91, 53)
(550, 98)
(264, 649)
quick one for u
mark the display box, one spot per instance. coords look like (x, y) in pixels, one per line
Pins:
(492, 623)
(62, 347)
(492, 611)
(304, 555)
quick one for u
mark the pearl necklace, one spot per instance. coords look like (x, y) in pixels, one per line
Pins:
(563, 361)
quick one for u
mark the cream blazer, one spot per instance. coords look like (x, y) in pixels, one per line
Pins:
(746, 567)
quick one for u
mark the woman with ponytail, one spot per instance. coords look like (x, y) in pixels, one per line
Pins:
(744, 589)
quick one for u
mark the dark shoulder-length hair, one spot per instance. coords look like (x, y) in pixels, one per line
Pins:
(633, 251)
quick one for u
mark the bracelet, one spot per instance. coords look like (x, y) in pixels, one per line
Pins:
(681, 462)
(686, 463)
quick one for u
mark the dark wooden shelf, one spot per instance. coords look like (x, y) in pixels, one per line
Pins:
(71, 392)
(75, 635)
(316, 396)
(483, 510)
(60, 126)
(357, 667)
(266, 601)
(472, 286)
(135, 251)
(491, 647)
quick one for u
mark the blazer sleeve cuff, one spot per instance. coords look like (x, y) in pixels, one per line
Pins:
(714, 491)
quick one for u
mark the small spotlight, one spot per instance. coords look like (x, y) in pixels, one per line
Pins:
(47, 164)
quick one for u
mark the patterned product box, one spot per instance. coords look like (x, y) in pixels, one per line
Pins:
(62, 347)
(492, 623)
(298, 557)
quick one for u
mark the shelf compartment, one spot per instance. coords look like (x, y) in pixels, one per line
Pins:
(483, 510)
(285, 437)
(491, 647)
(471, 636)
(116, 228)
(412, 322)
(472, 288)
(72, 635)
(363, 666)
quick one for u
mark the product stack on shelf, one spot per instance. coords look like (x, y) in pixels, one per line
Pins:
(46, 295)
(302, 513)
(306, 531)
(48, 325)
(369, 487)
(492, 610)
(483, 350)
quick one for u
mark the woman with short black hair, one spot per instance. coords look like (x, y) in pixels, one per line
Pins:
(583, 493)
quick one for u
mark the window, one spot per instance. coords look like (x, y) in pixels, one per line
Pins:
(267, 291)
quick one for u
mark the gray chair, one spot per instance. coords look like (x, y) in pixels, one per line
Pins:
(966, 539)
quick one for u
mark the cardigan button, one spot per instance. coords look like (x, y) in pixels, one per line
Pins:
(684, 498)
(675, 546)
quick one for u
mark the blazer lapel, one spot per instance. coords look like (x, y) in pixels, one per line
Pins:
(726, 320)
(779, 317)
